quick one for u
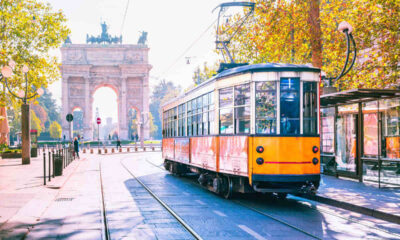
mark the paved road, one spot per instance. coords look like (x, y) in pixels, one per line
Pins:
(132, 213)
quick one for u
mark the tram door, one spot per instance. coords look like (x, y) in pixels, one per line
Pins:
(346, 142)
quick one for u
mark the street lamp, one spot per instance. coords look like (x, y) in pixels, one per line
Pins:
(6, 72)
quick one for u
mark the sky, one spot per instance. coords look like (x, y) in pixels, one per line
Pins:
(173, 27)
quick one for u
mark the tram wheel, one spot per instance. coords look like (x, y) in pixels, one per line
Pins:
(166, 165)
(227, 184)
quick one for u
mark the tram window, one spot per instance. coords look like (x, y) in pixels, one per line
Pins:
(242, 119)
(226, 120)
(199, 104)
(242, 95)
(290, 106)
(211, 100)
(266, 107)
(189, 126)
(199, 124)
(194, 125)
(211, 122)
(205, 123)
(310, 108)
(226, 97)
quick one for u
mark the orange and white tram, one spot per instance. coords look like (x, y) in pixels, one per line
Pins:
(249, 128)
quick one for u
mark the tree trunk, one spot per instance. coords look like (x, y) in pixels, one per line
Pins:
(315, 33)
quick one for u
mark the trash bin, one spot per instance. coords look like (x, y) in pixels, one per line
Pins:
(58, 164)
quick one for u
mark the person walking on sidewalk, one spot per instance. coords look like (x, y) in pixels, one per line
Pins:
(76, 147)
(118, 143)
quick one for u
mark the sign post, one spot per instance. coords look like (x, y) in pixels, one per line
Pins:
(70, 118)
(98, 121)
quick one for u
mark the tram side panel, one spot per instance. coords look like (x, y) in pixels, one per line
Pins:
(168, 148)
(182, 150)
(204, 152)
(233, 156)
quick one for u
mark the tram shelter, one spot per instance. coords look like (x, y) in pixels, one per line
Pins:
(360, 135)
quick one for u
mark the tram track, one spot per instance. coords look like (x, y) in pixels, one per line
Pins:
(257, 211)
(105, 230)
(164, 205)
(314, 208)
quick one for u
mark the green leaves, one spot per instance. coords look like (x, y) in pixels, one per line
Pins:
(28, 41)
(281, 32)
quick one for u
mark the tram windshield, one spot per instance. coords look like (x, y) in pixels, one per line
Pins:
(290, 106)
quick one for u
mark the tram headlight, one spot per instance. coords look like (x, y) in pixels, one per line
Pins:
(260, 161)
(315, 161)
(315, 149)
(260, 149)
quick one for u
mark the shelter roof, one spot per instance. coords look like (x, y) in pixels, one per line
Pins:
(357, 95)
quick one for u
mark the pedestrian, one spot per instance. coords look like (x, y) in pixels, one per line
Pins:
(76, 147)
(118, 143)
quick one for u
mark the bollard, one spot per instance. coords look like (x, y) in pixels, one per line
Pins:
(58, 164)
(152, 148)
(50, 167)
(91, 151)
(120, 149)
(105, 150)
(84, 150)
(144, 149)
(127, 149)
(135, 149)
(99, 151)
(44, 169)
(112, 150)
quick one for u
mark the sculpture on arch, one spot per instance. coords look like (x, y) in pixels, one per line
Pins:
(104, 37)
(143, 38)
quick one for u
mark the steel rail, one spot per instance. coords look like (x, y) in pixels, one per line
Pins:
(174, 214)
(311, 207)
(105, 232)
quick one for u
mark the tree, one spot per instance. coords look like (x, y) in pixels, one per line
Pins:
(202, 75)
(288, 31)
(35, 123)
(153, 127)
(55, 130)
(41, 114)
(157, 99)
(28, 30)
(48, 103)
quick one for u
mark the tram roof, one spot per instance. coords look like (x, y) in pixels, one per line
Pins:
(261, 67)
(268, 67)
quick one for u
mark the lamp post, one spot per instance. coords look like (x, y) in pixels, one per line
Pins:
(6, 72)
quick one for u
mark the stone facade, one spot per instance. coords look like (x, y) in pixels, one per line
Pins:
(124, 68)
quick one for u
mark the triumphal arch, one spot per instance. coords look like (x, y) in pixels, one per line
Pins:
(122, 67)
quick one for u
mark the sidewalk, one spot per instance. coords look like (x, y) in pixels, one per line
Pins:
(23, 197)
(359, 197)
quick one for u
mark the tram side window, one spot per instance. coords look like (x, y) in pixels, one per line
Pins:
(205, 114)
(242, 108)
(266, 107)
(189, 119)
(310, 108)
(211, 113)
(290, 106)
(164, 129)
(226, 111)
(194, 117)
(199, 116)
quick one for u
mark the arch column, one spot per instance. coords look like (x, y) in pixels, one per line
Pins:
(87, 121)
(145, 107)
(65, 108)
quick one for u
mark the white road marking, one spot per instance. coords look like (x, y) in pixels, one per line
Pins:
(219, 213)
(200, 202)
(251, 232)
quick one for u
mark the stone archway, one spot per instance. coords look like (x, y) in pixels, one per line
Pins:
(123, 68)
